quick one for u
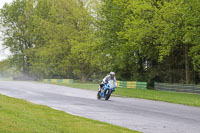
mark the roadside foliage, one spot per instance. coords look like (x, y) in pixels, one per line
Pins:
(148, 40)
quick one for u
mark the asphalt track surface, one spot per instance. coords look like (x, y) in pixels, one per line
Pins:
(142, 115)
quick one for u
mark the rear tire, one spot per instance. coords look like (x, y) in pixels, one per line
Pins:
(98, 95)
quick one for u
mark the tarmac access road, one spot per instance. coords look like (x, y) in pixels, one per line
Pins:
(142, 115)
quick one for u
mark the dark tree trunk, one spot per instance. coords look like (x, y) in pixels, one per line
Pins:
(197, 77)
(84, 77)
(187, 65)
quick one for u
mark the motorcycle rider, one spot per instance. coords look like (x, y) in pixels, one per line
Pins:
(109, 77)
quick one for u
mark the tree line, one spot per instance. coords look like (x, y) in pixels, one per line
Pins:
(141, 40)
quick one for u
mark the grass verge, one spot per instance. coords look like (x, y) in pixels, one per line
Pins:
(86, 86)
(5, 79)
(19, 116)
(171, 97)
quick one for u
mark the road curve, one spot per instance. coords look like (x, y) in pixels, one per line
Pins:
(137, 114)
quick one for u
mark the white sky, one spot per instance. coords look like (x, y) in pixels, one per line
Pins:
(3, 53)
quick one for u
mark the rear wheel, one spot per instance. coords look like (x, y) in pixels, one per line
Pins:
(98, 95)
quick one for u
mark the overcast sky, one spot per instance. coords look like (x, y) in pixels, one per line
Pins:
(3, 53)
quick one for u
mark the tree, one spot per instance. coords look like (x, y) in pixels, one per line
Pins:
(4, 69)
(127, 32)
(178, 21)
(64, 40)
(16, 18)
(149, 37)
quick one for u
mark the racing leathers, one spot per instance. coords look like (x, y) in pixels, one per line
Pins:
(106, 80)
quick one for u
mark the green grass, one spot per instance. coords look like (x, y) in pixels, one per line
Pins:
(19, 116)
(171, 97)
(5, 79)
(80, 85)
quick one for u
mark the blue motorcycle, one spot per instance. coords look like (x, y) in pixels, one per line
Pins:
(106, 91)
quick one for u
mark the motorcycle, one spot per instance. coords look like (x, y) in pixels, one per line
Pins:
(106, 90)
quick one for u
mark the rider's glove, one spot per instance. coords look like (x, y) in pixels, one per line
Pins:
(106, 81)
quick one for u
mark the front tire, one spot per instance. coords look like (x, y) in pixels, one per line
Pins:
(108, 95)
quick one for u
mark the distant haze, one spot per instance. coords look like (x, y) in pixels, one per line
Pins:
(4, 53)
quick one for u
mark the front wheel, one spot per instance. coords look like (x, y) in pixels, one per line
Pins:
(108, 95)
